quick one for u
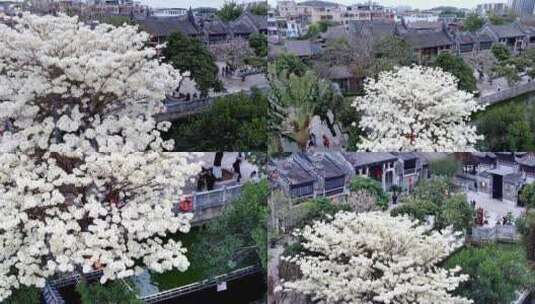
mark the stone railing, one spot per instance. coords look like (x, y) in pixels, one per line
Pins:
(507, 93)
(498, 233)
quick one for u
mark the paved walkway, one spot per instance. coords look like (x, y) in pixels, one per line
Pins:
(320, 128)
(234, 85)
(494, 209)
(498, 84)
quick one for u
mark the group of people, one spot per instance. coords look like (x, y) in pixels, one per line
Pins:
(208, 177)
(227, 71)
(312, 141)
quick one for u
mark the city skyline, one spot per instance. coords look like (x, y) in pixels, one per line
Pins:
(420, 4)
(189, 3)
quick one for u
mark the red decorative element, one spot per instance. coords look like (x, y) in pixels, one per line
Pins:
(480, 216)
(378, 172)
(185, 204)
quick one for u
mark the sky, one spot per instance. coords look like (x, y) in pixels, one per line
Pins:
(421, 4)
(188, 3)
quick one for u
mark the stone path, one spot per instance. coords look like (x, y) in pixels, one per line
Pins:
(494, 209)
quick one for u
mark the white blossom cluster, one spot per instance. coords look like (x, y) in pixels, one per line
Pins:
(85, 182)
(69, 87)
(416, 109)
(375, 258)
(105, 212)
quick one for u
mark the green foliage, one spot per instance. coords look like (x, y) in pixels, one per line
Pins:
(525, 224)
(195, 272)
(507, 127)
(359, 183)
(295, 100)
(455, 212)
(238, 237)
(113, 292)
(416, 208)
(24, 295)
(258, 42)
(500, 51)
(321, 208)
(501, 20)
(447, 167)
(389, 52)
(289, 63)
(496, 273)
(528, 195)
(436, 189)
(473, 23)
(230, 11)
(260, 9)
(189, 54)
(461, 70)
(235, 122)
(315, 29)
(435, 197)
(509, 71)
(116, 20)
(293, 249)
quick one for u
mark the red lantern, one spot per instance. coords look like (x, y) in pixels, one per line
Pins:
(185, 204)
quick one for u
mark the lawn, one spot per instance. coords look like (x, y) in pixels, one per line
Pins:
(175, 278)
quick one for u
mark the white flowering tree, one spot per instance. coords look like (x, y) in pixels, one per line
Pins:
(375, 258)
(85, 182)
(70, 88)
(416, 108)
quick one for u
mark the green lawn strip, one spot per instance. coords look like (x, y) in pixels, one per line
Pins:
(195, 273)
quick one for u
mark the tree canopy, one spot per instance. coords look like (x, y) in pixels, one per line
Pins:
(353, 258)
(496, 273)
(110, 293)
(289, 63)
(507, 127)
(359, 183)
(238, 237)
(230, 11)
(448, 166)
(83, 155)
(260, 9)
(473, 23)
(416, 108)
(460, 69)
(500, 51)
(258, 42)
(235, 122)
(189, 54)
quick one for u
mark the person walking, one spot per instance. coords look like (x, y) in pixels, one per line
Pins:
(237, 170)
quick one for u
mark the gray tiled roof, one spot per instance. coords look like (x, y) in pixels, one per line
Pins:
(216, 26)
(420, 40)
(364, 158)
(506, 30)
(301, 47)
(527, 160)
(335, 32)
(293, 172)
(328, 167)
(375, 28)
(164, 27)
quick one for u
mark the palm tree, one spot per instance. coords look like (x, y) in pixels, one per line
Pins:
(294, 101)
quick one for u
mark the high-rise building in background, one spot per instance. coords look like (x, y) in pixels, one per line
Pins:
(522, 7)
